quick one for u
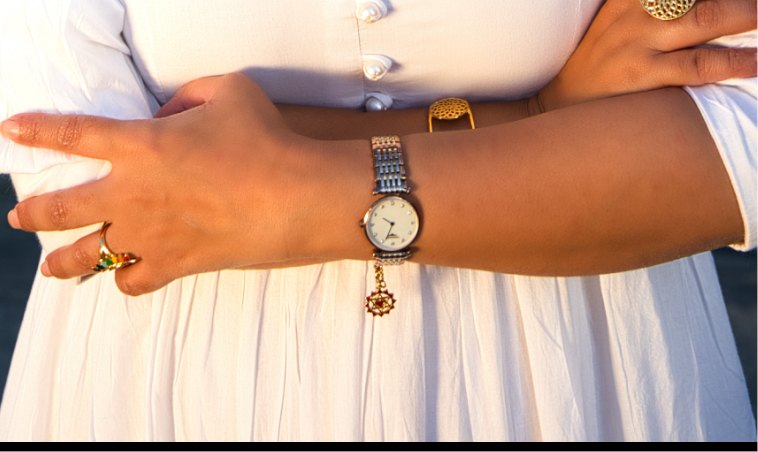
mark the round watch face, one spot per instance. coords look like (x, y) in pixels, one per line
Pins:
(391, 223)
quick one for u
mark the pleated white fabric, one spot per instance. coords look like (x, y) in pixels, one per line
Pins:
(291, 354)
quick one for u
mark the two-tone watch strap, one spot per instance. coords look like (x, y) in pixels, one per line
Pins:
(389, 170)
(389, 177)
(391, 258)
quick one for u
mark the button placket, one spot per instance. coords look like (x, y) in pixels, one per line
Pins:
(375, 66)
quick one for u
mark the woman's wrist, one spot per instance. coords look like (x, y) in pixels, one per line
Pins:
(332, 190)
(334, 171)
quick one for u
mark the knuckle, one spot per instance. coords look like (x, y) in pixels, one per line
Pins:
(145, 139)
(234, 77)
(82, 257)
(234, 82)
(157, 144)
(708, 14)
(736, 60)
(69, 132)
(58, 212)
(131, 287)
(703, 65)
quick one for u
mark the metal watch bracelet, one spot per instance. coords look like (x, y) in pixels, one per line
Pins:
(389, 169)
(389, 179)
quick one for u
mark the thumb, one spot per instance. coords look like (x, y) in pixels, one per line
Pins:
(192, 94)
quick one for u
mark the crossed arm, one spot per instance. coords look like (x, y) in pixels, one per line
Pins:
(223, 180)
(581, 190)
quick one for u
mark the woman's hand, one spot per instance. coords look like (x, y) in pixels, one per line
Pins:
(626, 51)
(213, 187)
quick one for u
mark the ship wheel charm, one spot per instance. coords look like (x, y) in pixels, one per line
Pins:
(380, 302)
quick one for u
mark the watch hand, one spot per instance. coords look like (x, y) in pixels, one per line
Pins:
(390, 235)
(392, 223)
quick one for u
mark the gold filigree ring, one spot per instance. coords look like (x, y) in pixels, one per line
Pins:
(667, 9)
(452, 108)
(110, 260)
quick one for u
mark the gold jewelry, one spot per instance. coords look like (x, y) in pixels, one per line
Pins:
(451, 108)
(667, 9)
(380, 302)
(110, 260)
(391, 223)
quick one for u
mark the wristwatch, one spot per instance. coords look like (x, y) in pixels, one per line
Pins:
(392, 222)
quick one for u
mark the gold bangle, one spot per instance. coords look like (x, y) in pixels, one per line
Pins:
(451, 108)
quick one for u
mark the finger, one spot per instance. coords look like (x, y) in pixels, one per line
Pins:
(74, 260)
(700, 66)
(707, 20)
(140, 279)
(190, 95)
(62, 210)
(88, 136)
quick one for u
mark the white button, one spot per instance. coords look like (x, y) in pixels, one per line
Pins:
(378, 102)
(370, 10)
(376, 66)
(374, 104)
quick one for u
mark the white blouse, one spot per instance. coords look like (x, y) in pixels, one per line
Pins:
(291, 354)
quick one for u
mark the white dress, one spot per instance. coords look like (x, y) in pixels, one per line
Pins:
(291, 354)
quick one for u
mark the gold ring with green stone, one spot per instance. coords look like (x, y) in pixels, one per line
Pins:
(110, 260)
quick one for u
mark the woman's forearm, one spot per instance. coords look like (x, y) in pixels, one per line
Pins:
(342, 124)
(600, 187)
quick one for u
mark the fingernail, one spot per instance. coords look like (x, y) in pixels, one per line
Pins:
(9, 128)
(45, 270)
(13, 219)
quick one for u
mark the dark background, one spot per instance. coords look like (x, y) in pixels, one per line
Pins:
(19, 256)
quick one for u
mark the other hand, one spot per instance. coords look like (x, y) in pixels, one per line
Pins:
(207, 189)
(626, 51)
